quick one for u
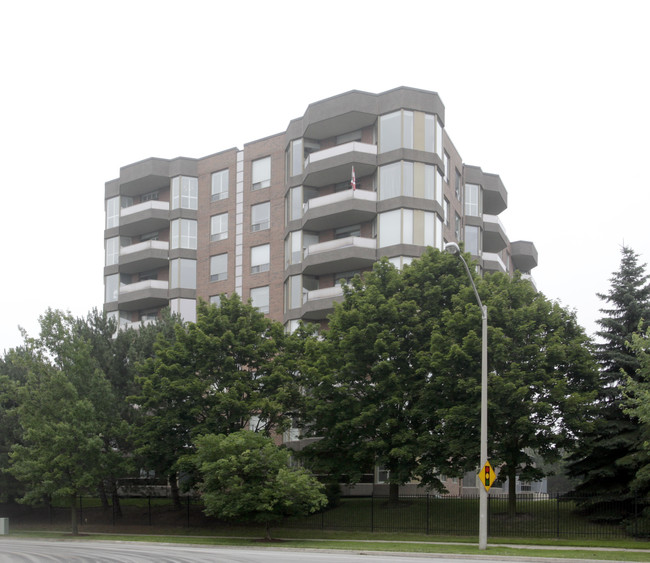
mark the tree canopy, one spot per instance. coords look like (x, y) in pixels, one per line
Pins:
(246, 477)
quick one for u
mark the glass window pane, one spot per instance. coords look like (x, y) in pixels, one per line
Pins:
(390, 131)
(429, 133)
(262, 173)
(261, 216)
(260, 258)
(390, 180)
(260, 298)
(429, 182)
(219, 227)
(390, 227)
(112, 287)
(219, 267)
(407, 141)
(472, 240)
(296, 157)
(112, 212)
(220, 185)
(407, 179)
(407, 226)
(112, 251)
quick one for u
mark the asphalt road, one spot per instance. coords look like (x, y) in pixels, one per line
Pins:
(53, 551)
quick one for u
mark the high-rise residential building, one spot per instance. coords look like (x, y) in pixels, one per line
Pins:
(284, 220)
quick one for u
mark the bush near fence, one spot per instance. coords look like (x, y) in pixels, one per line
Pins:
(558, 516)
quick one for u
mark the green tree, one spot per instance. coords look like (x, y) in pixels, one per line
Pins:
(637, 406)
(365, 393)
(63, 409)
(246, 477)
(541, 379)
(611, 454)
(217, 376)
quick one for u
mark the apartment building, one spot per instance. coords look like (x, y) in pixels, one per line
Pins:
(285, 219)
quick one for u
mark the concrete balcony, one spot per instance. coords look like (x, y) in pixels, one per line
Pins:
(349, 207)
(334, 165)
(494, 234)
(492, 263)
(340, 255)
(146, 294)
(144, 256)
(146, 217)
(524, 256)
(319, 303)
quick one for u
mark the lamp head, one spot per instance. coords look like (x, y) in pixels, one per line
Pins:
(452, 248)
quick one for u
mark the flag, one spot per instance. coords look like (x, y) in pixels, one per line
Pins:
(354, 180)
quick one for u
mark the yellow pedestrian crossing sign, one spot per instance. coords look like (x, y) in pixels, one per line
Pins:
(487, 476)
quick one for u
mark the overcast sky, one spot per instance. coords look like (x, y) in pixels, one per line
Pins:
(553, 96)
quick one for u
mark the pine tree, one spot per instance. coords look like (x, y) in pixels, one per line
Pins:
(609, 458)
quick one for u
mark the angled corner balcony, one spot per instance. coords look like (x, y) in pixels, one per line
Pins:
(524, 256)
(144, 217)
(334, 165)
(319, 303)
(492, 262)
(349, 207)
(495, 195)
(494, 234)
(340, 255)
(143, 295)
(144, 256)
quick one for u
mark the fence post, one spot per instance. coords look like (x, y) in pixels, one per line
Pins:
(427, 525)
(557, 514)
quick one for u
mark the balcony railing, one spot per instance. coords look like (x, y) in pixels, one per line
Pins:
(326, 293)
(354, 146)
(494, 219)
(146, 245)
(144, 206)
(338, 197)
(493, 257)
(142, 285)
(359, 242)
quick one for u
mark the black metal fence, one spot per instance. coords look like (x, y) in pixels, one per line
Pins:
(543, 517)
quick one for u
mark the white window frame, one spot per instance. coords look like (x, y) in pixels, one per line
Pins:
(260, 258)
(261, 216)
(261, 173)
(221, 261)
(219, 227)
(219, 189)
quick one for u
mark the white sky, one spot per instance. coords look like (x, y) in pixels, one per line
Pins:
(553, 96)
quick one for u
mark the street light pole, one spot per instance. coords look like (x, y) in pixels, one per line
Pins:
(453, 248)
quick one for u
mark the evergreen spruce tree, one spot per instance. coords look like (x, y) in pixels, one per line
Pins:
(610, 455)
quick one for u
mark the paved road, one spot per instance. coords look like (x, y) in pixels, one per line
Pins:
(14, 550)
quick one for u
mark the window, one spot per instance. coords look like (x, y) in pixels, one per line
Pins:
(433, 135)
(396, 179)
(183, 233)
(472, 240)
(262, 173)
(220, 185)
(148, 275)
(297, 157)
(112, 251)
(111, 288)
(400, 261)
(219, 227)
(294, 204)
(293, 292)
(396, 131)
(185, 192)
(396, 227)
(186, 308)
(473, 200)
(293, 248)
(260, 258)
(458, 186)
(349, 231)
(445, 209)
(216, 299)
(445, 160)
(457, 227)
(261, 216)
(112, 212)
(260, 298)
(151, 196)
(182, 273)
(219, 267)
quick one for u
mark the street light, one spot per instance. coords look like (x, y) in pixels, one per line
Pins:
(453, 248)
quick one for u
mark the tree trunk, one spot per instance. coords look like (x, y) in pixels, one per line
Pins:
(173, 483)
(102, 495)
(74, 526)
(393, 493)
(512, 491)
(115, 497)
(268, 532)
